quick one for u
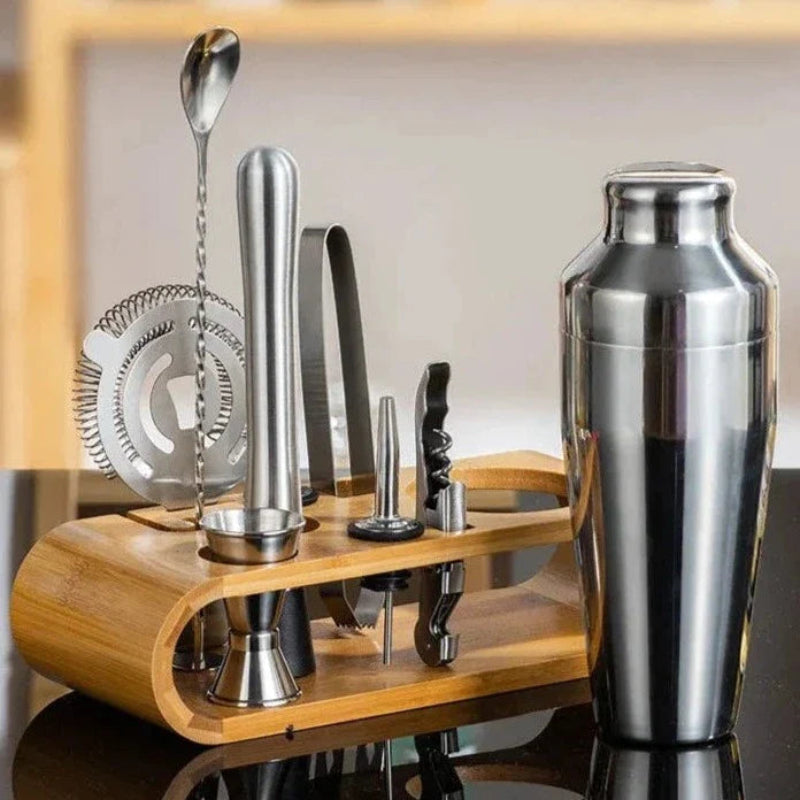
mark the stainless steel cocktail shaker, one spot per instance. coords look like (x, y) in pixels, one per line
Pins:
(668, 412)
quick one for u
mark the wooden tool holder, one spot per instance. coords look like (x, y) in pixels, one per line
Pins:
(98, 604)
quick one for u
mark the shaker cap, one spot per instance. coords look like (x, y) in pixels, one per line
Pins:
(674, 172)
(669, 270)
(669, 202)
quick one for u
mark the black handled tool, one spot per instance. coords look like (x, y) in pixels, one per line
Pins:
(441, 504)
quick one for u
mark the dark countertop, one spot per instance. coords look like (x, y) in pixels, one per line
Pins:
(537, 744)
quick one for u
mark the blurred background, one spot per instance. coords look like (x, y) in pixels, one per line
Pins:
(462, 144)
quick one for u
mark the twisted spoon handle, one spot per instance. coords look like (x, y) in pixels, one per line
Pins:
(200, 347)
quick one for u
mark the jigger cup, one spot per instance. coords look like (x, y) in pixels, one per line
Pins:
(254, 673)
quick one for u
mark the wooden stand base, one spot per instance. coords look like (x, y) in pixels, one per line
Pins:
(98, 604)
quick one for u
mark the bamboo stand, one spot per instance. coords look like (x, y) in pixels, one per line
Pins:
(99, 604)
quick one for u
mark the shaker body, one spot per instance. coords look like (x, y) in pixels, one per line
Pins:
(668, 412)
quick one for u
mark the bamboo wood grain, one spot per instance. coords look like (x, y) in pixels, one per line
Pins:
(98, 604)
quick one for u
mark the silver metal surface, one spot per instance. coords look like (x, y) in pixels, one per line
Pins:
(451, 508)
(388, 782)
(441, 503)
(200, 644)
(323, 472)
(255, 672)
(253, 536)
(669, 395)
(441, 587)
(209, 68)
(705, 773)
(351, 605)
(132, 413)
(386, 524)
(388, 625)
(268, 188)
(388, 483)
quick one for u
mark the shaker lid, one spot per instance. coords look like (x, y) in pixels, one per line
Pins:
(669, 181)
(668, 170)
(669, 270)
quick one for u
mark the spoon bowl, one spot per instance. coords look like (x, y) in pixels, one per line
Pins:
(209, 68)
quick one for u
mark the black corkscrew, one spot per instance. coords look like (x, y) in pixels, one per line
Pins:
(439, 464)
(441, 504)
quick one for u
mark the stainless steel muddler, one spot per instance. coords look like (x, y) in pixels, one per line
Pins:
(668, 409)
(255, 672)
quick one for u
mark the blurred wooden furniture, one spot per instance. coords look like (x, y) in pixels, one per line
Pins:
(46, 325)
(12, 266)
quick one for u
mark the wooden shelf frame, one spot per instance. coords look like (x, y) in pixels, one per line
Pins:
(56, 31)
(441, 21)
(12, 252)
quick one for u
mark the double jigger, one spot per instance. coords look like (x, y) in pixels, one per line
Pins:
(265, 530)
(254, 672)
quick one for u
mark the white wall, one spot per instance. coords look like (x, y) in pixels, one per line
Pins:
(467, 176)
